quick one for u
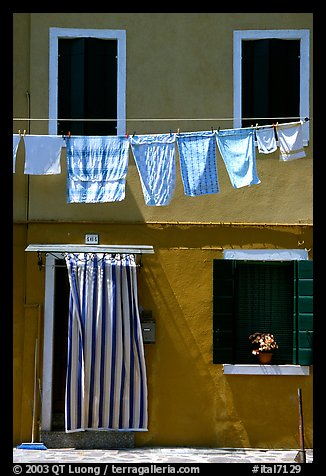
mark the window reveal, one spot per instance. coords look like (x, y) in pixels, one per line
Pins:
(270, 80)
(87, 85)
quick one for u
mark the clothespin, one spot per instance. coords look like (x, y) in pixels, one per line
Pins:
(178, 130)
(127, 134)
(212, 128)
(68, 134)
(19, 133)
(256, 125)
(24, 132)
(218, 129)
(170, 132)
(134, 134)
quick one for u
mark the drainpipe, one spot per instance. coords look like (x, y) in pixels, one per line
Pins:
(28, 131)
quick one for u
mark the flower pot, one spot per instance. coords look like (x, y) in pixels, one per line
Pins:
(265, 357)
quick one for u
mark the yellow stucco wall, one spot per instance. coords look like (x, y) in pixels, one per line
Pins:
(191, 402)
(178, 65)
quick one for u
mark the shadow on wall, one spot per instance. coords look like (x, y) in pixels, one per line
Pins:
(187, 393)
(268, 409)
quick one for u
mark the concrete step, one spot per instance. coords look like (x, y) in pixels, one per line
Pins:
(110, 439)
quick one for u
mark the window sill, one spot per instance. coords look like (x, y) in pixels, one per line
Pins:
(248, 369)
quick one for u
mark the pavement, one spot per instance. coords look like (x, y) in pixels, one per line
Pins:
(160, 455)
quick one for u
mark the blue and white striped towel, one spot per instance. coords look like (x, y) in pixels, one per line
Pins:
(96, 168)
(197, 152)
(155, 159)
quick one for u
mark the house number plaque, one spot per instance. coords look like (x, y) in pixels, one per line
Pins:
(91, 239)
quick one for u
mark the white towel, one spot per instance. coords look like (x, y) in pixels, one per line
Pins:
(290, 139)
(266, 140)
(15, 144)
(42, 154)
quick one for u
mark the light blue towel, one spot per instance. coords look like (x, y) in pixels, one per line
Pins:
(15, 144)
(155, 159)
(197, 152)
(96, 168)
(42, 154)
(237, 148)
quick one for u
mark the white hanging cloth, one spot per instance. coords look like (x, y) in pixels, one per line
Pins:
(42, 154)
(290, 139)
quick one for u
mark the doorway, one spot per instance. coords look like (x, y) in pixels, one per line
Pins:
(60, 343)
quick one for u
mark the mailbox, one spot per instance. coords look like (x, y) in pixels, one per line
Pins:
(148, 327)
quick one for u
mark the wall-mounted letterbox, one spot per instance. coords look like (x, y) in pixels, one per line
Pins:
(148, 327)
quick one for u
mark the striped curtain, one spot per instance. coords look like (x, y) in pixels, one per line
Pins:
(106, 386)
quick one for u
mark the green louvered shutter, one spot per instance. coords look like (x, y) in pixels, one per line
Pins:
(264, 303)
(303, 313)
(223, 311)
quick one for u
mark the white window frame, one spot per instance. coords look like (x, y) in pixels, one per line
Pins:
(48, 340)
(120, 36)
(304, 37)
(266, 255)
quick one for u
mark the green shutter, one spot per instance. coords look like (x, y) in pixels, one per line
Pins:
(303, 313)
(223, 310)
(264, 297)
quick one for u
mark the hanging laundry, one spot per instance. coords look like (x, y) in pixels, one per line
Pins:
(290, 139)
(266, 140)
(42, 154)
(96, 168)
(237, 148)
(15, 144)
(154, 155)
(197, 152)
(106, 383)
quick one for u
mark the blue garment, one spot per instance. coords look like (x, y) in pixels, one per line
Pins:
(42, 154)
(15, 144)
(237, 148)
(96, 168)
(155, 159)
(197, 152)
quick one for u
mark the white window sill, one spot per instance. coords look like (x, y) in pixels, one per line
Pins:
(248, 369)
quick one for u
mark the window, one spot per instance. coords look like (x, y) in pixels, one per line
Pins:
(265, 296)
(271, 77)
(87, 85)
(87, 81)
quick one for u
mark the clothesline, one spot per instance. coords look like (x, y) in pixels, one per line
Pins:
(157, 119)
(97, 165)
(265, 126)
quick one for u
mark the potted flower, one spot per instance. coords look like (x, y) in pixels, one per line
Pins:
(263, 344)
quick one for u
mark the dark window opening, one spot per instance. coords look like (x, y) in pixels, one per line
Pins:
(61, 311)
(87, 86)
(264, 303)
(262, 296)
(270, 81)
